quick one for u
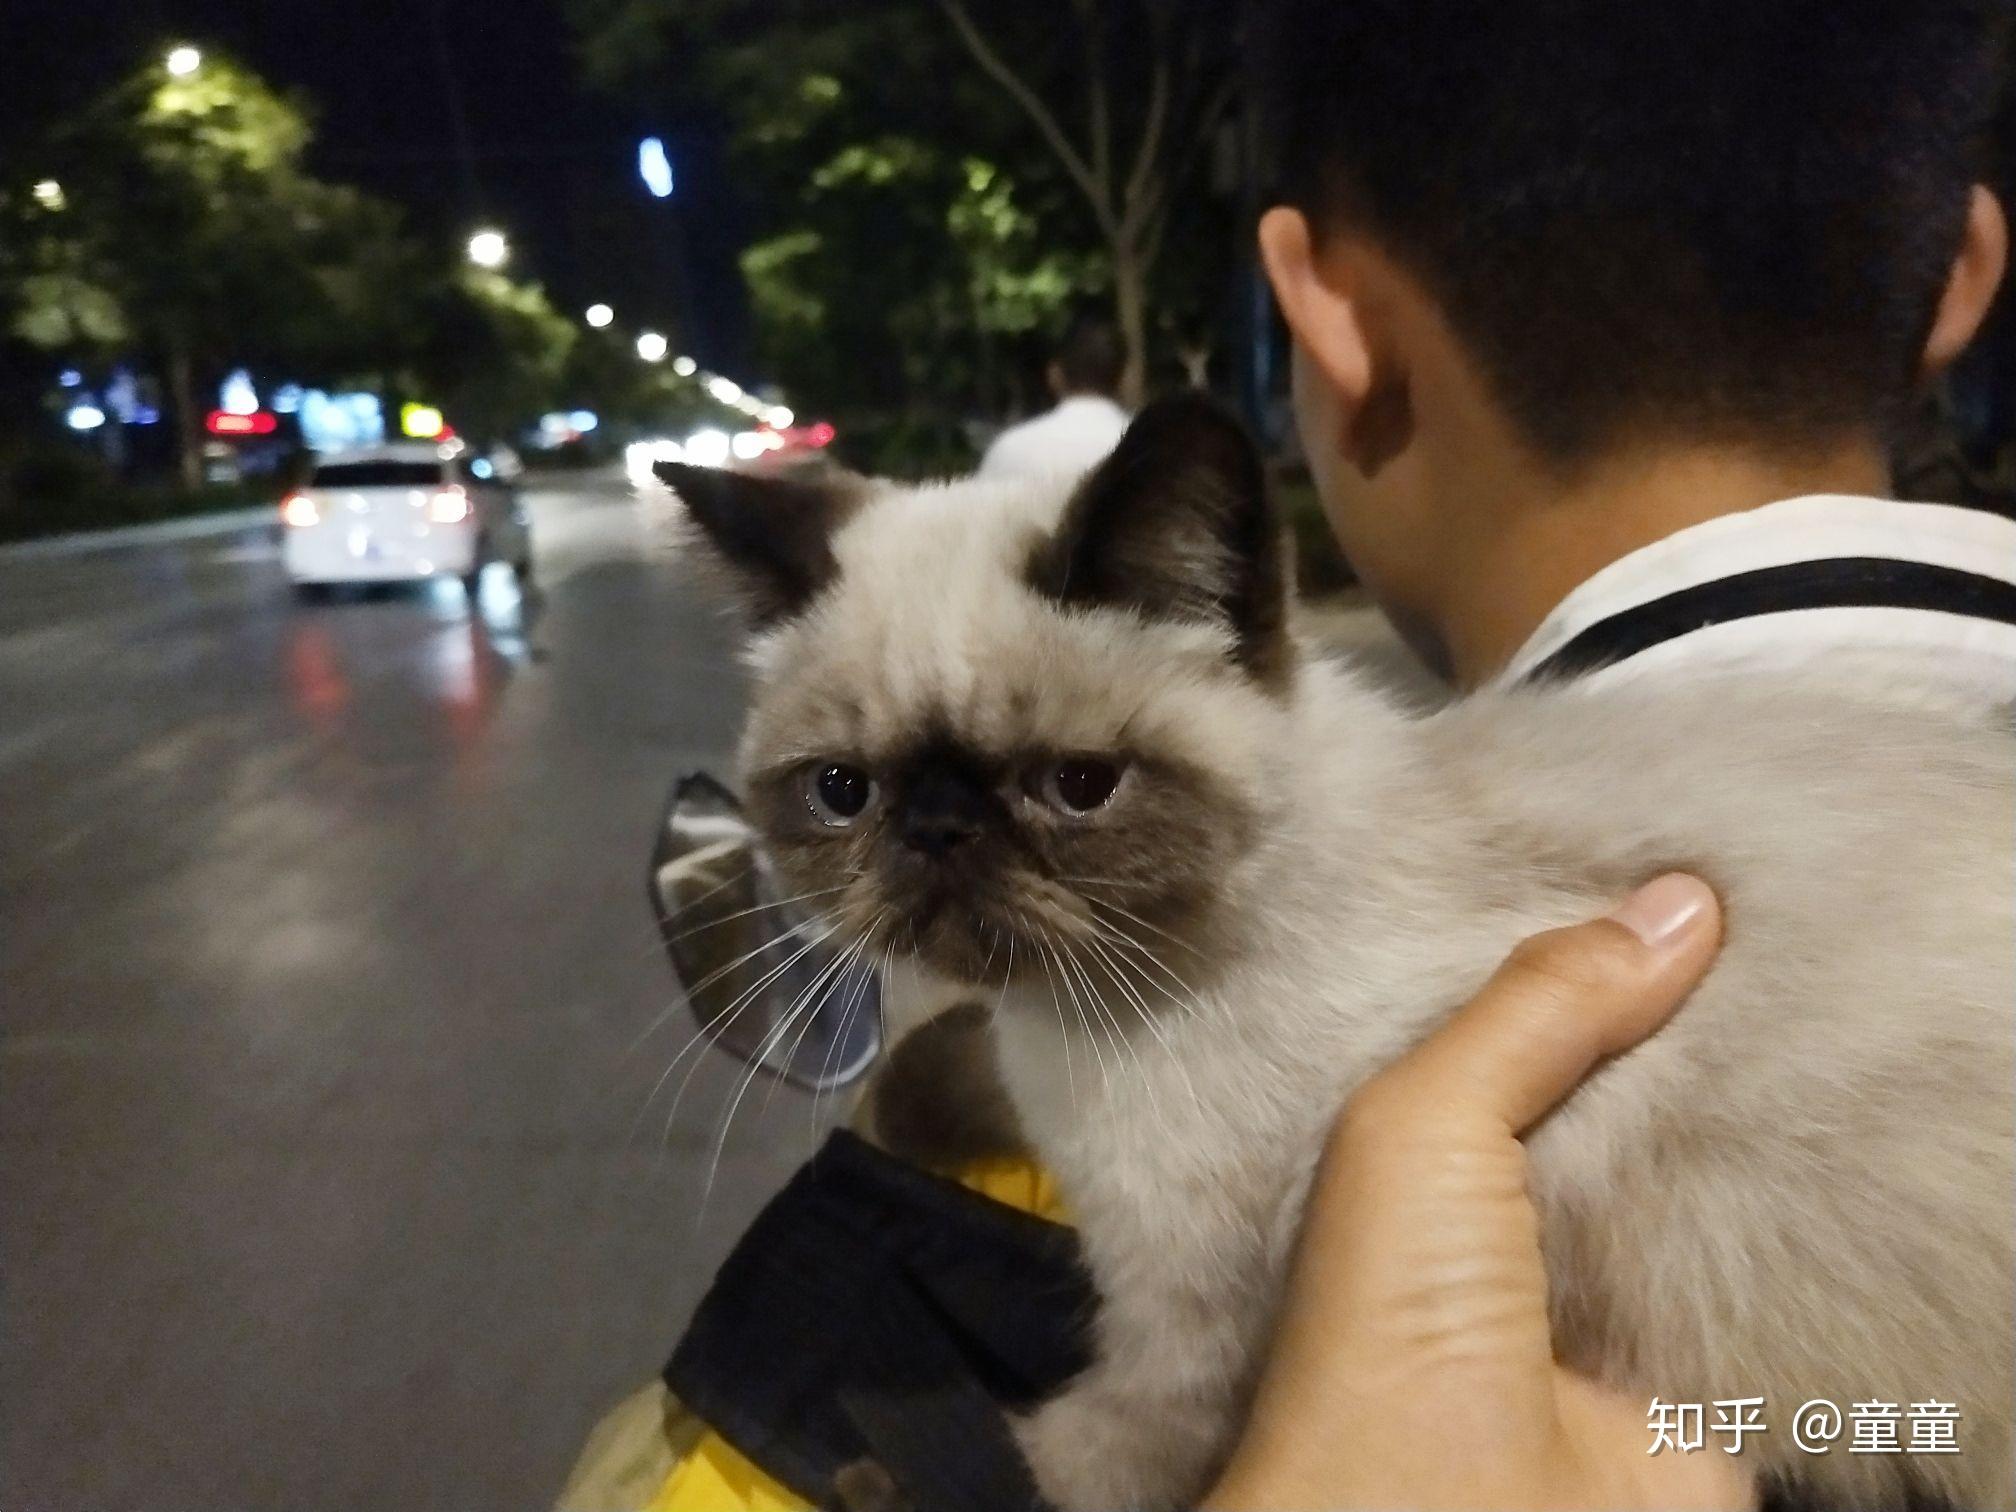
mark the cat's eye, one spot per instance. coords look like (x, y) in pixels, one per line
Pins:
(1079, 784)
(837, 794)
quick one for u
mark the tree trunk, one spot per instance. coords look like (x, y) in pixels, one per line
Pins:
(188, 425)
(1130, 307)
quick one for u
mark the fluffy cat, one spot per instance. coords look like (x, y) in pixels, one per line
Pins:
(1059, 747)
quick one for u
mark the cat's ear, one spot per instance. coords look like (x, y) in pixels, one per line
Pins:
(772, 533)
(1177, 523)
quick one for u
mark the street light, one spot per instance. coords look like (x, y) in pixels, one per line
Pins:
(654, 167)
(489, 249)
(183, 61)
(652, 347)
(48, 194)
(685, 367)
(599, 315)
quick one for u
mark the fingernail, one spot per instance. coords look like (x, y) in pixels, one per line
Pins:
(1663, 908)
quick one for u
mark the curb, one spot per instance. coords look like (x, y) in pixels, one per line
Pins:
(126, 537)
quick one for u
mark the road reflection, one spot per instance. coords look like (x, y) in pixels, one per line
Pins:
(456, 655)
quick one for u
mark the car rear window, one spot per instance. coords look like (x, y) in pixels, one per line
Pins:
(377, 475)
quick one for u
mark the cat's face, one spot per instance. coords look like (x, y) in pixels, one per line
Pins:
(1009, 728)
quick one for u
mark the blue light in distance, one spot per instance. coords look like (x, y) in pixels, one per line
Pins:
(69, 377)
(655, 167)
(584, 420)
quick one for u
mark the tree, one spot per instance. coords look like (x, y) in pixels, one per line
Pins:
(188, 210)
(491, 352)
(1154, 80)
(1087, 145)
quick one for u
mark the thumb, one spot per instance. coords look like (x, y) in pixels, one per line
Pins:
(1564, 1000)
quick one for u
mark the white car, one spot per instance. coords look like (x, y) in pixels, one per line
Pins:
(397, 513)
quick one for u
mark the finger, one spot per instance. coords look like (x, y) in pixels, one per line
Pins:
(1563, 1001)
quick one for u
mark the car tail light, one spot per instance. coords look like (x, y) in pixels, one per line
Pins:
(298, 510)
(448, 507)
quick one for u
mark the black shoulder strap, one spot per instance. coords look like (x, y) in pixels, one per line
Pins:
(1830, 583)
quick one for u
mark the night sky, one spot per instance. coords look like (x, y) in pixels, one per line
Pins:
(550, 160)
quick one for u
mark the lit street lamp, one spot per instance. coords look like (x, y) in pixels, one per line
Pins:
(685, 367)
(48, 194)
(652, 347)
(183, 61)
(654, 167)
(489, 249)
(599, 315)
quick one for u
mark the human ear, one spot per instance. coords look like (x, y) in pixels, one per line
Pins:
(1322, 313)
(1323, 299)
(1970, 284)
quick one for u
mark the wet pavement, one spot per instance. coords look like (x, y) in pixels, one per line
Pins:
(330, 1171)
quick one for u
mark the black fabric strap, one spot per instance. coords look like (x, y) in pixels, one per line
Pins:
(874, 1311)
(1830, 583)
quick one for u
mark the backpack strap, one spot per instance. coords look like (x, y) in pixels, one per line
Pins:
(1829, 583)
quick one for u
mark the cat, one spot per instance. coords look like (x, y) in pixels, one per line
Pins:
(1061, 748)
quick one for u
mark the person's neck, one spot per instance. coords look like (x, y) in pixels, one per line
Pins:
(1542, 539)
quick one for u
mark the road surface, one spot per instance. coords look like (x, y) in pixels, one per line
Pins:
(329, 1177)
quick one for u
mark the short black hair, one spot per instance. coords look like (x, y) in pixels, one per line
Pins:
(1091, 358)
(1728, 217)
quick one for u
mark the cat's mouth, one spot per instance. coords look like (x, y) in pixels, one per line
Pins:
(986, 941)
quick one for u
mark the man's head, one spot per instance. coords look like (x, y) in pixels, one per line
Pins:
(1090, 360)
(1569, 231)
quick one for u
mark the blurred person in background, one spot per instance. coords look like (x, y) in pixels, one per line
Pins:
(1084, 424)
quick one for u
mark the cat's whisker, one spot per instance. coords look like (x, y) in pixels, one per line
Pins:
(804, 1004)
(1050, 959)
(825, 994)
(1121, 1040)
(1063, 1033)
(849, 957)
(819, 995)
(868, 973)
(1135, 918)
(1134, 1000)
(734, 1011)
(1115, 967)
(1108, 1025)
(1114, 935)
(690, 994)
(743, 913)
(692, 903)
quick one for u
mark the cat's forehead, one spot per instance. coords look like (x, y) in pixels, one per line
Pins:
(933, 625)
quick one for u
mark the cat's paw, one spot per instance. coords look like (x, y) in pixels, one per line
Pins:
(1090, 1452)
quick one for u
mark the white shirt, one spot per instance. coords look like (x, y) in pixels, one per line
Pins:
(1975, 656)
(1079, 432)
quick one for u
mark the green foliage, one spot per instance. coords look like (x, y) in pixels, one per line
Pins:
(902, 274)
(1041, 154)
(57, 487)
(189, 238)
(492, 352)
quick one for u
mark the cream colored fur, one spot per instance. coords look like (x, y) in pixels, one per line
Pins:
(1800, 1188)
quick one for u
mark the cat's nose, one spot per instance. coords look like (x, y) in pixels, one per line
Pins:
(941, 810)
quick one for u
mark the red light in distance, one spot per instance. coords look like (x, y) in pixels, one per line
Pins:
(259, 423)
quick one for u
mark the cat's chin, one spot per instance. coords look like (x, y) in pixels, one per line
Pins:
(957, 948)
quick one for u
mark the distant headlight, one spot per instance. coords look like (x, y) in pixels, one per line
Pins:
(709, 448)
(448, 507)
(300, 511)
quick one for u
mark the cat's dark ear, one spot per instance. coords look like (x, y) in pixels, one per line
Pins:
(772, 533)
(1177, 523)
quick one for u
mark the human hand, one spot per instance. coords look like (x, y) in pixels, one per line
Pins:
(1413, 1366)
